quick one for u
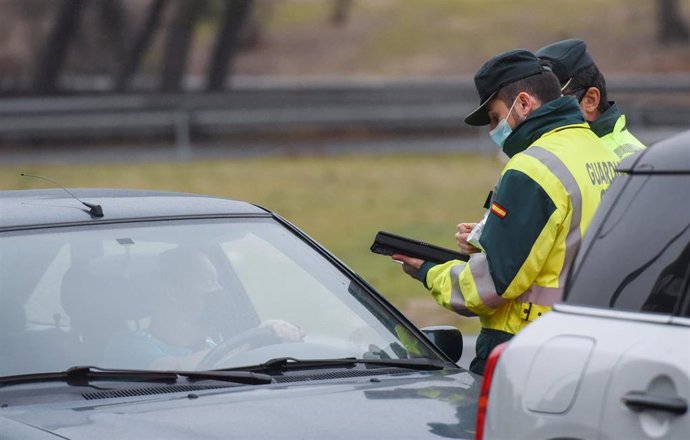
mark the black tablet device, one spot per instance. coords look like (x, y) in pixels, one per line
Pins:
(386, 243)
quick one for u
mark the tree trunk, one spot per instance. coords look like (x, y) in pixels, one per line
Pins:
(141, 44)
(671, 29)
(177, 43)
(341, 12)
(227, 38)
(58, 42)
(113, 22)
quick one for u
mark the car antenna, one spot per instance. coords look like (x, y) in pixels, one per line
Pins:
(94, 210)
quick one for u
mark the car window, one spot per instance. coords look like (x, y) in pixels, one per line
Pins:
(44, 306)
(278, 286)
(165, 295)
(637, 255)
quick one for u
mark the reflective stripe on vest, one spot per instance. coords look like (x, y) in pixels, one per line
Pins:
(572, 240)
(479, 268)
(457, 300)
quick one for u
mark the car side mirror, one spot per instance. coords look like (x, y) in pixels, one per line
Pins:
(447, 338)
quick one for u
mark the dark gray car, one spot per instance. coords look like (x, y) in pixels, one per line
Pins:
(132, 314)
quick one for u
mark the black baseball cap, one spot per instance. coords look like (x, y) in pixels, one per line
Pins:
(567, 58)
(498, 72)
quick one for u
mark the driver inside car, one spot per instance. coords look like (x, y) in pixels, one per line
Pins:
(179, 335)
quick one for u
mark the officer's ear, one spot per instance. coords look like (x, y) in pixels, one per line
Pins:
(590, 104)
(526, 104)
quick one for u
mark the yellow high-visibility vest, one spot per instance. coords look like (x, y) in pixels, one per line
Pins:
(612, 130)
(546, 198)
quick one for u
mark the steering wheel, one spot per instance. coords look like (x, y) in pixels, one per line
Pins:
(247, 340)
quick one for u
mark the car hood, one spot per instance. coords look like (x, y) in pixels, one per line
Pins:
(417, 405)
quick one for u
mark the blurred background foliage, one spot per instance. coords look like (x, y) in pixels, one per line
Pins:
(159, 43)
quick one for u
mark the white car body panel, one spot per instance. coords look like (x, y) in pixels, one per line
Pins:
(536, 378)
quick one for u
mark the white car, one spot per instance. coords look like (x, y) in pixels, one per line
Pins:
(612, 361)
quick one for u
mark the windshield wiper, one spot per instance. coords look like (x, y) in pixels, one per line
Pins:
(83, 375)
(290, 363)
(413, 363)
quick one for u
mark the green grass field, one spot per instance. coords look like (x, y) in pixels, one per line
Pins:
(341, 201)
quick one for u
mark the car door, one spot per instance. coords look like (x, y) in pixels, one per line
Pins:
(642, 280)
(649, 388)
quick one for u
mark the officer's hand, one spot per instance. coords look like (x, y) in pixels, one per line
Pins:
(464, 230)
(410, 265)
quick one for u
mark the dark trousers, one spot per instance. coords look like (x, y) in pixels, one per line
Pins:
(487, 340)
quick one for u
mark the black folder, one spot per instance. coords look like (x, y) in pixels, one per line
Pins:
(386, 243)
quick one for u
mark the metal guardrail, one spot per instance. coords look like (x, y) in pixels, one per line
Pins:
(260, 107)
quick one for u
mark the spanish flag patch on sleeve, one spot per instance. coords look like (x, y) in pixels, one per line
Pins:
(498, 210)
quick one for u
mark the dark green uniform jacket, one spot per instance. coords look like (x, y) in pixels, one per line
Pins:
(548, 192)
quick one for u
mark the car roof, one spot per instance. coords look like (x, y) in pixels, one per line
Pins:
(668, 156)
(56, 206)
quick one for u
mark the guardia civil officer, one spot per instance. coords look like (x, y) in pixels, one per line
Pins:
(580, 77)
(545, 199)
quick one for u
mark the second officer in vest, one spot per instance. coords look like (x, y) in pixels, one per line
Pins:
(580, 77)
(547, 195)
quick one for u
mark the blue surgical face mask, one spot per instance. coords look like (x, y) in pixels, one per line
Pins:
(503, 129)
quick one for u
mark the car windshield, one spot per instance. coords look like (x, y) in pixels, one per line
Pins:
(190, 295)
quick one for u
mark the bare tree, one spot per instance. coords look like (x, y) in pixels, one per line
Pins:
(52, 58)
(178, 41)
(253, 28)
(113, 23)
(341, 12)
(227, 39)
(141, 44)
(671, 27)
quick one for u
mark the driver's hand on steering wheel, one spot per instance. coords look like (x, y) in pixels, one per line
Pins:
(286, 331)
